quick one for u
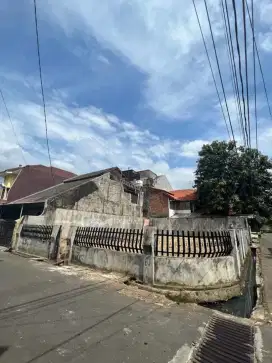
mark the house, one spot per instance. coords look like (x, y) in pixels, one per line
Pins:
(104, 191)
(148, 178)
(25, 180)
(184, 202)
(173, 204)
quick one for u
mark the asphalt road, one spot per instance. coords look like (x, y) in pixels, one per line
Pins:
(46, 316)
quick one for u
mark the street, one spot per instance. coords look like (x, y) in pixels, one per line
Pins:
(48, 316)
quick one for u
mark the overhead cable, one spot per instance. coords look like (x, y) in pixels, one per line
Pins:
(210, 64)
(246, 69)
(219, 70)
(240, 69)
(233, 73)
(254, 75)
(42, 90)
(12, 127)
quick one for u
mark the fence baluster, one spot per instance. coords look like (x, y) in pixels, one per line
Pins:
(141, 241)
(194, 244)
(112, 239)
(189, 243)
(229, 242)
(167, 241)
(133, 234)
(178, 239)
(214, 247)
(121, 244)
(205, 244)
(183, 244)
(209, 243)
(156, 243)
(108, 237)
(199, 244)
(136, 241)
(173, 243)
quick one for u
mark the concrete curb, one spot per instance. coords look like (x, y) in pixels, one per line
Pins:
(180, 295)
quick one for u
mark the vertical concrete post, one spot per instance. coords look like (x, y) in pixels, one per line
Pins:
(235, 252)
(149, 258)
(242, 243)
(72, 238)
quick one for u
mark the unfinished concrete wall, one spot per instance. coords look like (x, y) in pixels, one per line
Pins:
(199, 223)
(124, 262)
(195, 272)
(100, 195)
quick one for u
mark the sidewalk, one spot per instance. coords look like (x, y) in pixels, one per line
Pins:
(266, 261)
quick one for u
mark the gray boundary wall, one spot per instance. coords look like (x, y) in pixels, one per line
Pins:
(190, 272)
(200, 223)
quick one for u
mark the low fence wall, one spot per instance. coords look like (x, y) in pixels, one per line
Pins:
(183, 258)
(111, 260)
(200, 223)
(35, 240)
(195, 272)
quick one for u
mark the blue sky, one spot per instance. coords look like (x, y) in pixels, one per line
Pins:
(127, 83)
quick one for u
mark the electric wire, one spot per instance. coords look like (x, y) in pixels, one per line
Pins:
(210, 64)
(42, 89)
(219, 70)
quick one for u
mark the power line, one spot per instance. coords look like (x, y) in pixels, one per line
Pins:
(210, 64)
(240, 67)
(259, 61)
(42, 90)
(12, 127)
(254, 75)
(246, 69)
(235, 72)
(220, 75)
(232, 69)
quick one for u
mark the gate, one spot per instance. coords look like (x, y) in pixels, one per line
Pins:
(6, 231)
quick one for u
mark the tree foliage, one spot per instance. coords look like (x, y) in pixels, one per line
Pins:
(236, 178)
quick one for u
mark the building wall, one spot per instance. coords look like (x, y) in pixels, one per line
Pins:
(100, 195)
(161, 182)
(158, 203)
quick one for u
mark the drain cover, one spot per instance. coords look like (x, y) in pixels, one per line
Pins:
(226, 340)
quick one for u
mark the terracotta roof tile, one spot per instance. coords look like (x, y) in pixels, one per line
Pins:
(184, 194)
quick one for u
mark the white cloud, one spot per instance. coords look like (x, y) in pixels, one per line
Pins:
(86, 138)
(265, 40)
(192, 148)
(162, 40)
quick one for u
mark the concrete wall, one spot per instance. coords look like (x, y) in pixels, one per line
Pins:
(100, 195)
(199, 223)
(33, 246)
(128, 263)
(195, 272)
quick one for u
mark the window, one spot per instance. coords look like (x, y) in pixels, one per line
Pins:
(180, 205)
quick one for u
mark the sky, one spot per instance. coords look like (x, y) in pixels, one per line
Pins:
(126, 84)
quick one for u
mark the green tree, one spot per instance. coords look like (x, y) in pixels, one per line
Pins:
(237, 178)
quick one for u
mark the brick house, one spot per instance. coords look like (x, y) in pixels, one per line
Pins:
(171, 204)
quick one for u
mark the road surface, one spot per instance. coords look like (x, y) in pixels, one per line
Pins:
(48, 316)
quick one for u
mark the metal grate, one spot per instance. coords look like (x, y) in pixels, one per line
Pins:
(42, 232)
(119, 239)
(6, 231)
(192, 244)
(226, 341)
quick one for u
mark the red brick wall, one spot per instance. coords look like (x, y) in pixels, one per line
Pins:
(158, 204)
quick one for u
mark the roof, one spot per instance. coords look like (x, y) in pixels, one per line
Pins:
(184, 194)
(66, 185)
(34, 178)
(95, 174)
(169, 194)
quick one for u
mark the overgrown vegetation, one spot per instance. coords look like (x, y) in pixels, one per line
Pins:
(234, 179)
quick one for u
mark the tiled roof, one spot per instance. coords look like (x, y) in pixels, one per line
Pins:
(33, 178)
(184, 194)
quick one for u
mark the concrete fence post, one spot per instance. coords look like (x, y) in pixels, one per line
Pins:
(235, 252)
(149, 258)
(72, 238)
(53, 243)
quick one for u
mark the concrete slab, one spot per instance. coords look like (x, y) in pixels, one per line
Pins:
(46, 316)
